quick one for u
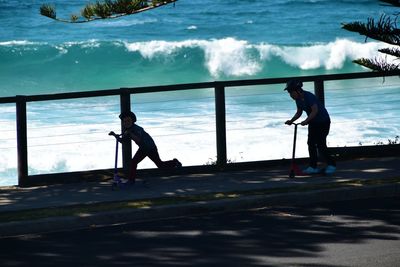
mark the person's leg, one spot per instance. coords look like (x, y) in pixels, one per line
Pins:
(312, 145)
(138, 157)
(155, 157)
(321, 144)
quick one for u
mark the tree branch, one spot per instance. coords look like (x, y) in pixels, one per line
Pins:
(108, 9)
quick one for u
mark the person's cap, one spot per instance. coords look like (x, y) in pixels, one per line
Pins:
(293, 85)
(128, 114)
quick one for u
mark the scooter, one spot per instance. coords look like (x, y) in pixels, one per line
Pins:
(118, 181)
(294, 168)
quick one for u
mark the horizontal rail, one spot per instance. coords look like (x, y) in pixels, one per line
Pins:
(203, 85)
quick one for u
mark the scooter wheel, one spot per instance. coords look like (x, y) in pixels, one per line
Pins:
(114, 186)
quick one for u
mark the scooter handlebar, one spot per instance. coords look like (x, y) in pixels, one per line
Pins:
(117, 136)
(294, 123)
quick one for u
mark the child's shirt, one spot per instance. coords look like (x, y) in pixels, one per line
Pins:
(306, 104)
(140, 136)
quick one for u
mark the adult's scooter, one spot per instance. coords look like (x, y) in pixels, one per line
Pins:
(294, 168)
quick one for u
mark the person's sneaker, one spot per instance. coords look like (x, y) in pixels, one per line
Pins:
(330, 169)
(178, 164)
(311, 170)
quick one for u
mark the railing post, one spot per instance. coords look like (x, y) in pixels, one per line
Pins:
(220, 115)
(22, 141)
(125, 102)
(319, 90)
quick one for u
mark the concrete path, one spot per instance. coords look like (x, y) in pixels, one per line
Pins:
(358, 178)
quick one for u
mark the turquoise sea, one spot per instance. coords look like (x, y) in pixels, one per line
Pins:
(191, 41)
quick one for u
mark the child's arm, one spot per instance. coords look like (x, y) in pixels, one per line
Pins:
(117, 136)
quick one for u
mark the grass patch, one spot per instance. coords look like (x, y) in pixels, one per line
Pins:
(81, 210)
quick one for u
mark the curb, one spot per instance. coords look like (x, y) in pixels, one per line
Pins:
(102, 219)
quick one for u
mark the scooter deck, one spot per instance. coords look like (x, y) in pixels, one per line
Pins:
(320, 173)
(119, 184)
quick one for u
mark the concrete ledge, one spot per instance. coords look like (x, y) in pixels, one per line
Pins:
(341, 153)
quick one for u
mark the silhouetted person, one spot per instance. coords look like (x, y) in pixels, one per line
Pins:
(318, 122)
(147, 147)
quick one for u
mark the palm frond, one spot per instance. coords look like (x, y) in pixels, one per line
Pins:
(88, 11)
(384, 29)
(48, 11)
(395, 52)
(377, 64)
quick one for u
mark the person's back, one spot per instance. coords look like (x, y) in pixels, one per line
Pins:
(144, 141)
(307, 102)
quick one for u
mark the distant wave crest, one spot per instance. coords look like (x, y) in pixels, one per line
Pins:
(237, 57)
(225, 58)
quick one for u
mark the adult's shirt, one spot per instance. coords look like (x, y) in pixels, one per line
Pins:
(307, 102)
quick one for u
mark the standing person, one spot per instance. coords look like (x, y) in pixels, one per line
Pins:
(318, 122)
(147, 147)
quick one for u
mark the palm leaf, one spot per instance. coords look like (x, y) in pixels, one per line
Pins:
(377, 64)
(48, 11)
(384, 30)
(391, 51)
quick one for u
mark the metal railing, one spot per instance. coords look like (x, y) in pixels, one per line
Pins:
(124, 94)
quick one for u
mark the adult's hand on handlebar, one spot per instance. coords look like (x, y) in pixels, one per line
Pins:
(289, 122)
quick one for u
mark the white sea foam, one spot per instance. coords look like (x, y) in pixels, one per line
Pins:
(233, 57)
(223, 56)
(17, 43)
(125, 22)
(329, 56)
(152, 49)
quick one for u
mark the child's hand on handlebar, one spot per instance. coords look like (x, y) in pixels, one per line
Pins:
(117, 136)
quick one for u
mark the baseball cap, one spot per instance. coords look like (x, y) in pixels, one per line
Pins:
(128, 114)
(293, 85)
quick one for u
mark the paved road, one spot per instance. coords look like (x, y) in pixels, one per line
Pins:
(354, 233)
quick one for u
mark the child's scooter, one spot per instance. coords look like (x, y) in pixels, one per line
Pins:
(117, 180)
(294, 168)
